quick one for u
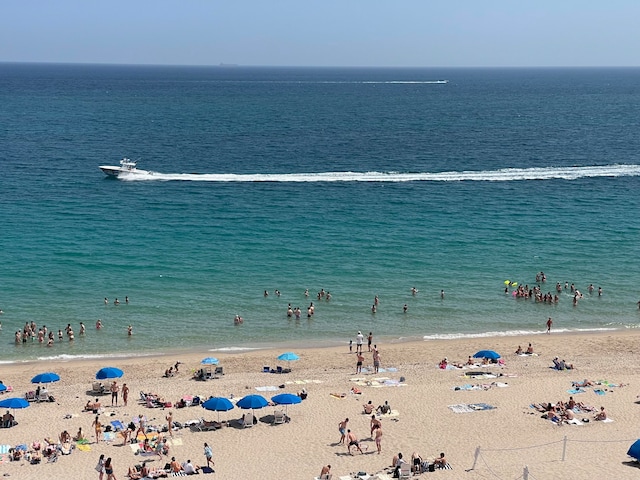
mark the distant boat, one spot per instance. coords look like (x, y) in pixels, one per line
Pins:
(127, 167)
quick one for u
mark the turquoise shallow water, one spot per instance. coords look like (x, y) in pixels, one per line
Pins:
(361, 182)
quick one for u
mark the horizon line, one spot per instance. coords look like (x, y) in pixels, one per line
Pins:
(237, 65)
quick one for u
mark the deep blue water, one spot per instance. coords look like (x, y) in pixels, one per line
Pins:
(455, 186)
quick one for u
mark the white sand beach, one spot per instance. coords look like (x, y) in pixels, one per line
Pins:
(510, 436)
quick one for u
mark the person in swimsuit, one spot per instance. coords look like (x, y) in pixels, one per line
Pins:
(352, 441)
(342, 428)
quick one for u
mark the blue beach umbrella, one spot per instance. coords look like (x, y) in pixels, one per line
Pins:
(288, 357)
(634, 450)
(218, 404)
(45, 378)
(490, 354)
(14, 403)
(109, 372)
(286, 399)
(209, 361)
(252, 401)
(3, 387)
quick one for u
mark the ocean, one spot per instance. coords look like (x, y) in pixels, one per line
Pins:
(361, 182)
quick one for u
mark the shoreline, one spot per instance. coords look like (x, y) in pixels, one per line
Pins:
(237, 351)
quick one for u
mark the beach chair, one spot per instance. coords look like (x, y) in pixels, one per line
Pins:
(279, 417)
(43, 397)
(266, 369)
(219, 371)
(405, 470)
(31, 396)
(247, 420)
(97, 388)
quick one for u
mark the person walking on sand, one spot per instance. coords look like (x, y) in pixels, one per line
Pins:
(549, 323)
(125, 393)
(208, 454)
(325, 472)
(342, 428)
(378, 438)
(169, 418)
(108, 469)
(97, 427)
(100, 467)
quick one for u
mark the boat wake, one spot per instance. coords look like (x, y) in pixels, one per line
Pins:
(502, 175)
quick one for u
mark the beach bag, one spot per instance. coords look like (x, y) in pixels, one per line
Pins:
(424, 467)
(432, 467)
(99, 468)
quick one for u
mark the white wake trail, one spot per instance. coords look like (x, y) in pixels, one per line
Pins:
(502, 175)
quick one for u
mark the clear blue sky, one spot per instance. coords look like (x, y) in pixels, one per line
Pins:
(324, 32)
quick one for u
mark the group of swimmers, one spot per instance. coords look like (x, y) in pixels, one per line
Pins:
(44, 335)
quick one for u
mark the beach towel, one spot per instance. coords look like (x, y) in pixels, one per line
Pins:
(4, 448)
(606, 420)
(109, 436)
(83, 447)
(460, 408)
(268, 388)
(575, 421)
(391, 413)
(599, 391)
(470, 407)
(207, 470)
(575, 391)
(481, 406)
(118, 425)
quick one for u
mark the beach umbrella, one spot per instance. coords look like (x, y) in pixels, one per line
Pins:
(3, 387)
(209, 361)
(252, 401)
(218, 404)
(14, 403)
(286, 399)
(634, 450)
(45, 378)
(288, 357)
(490, 354)
(109, 372)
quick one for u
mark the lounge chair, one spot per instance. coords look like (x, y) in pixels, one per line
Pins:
(205, 426)
(219, 371)
(266, 369)
(43, 397)
(405, 470)
(279, 417)
(97, 388)
(247, 420)
(31, 396)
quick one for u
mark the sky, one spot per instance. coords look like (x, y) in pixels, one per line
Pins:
(356, 33)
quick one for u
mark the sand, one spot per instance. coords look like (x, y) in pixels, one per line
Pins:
(510, 436)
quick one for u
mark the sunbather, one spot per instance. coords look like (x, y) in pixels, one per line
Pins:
(368, 407)
(384, 408)
(584, 383)
(601, 415)
(441, 461)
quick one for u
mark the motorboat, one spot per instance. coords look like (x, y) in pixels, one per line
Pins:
(127, 167)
